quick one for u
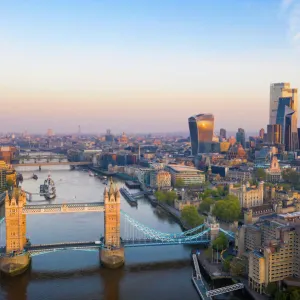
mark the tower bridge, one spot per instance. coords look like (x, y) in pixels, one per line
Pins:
(16, 250)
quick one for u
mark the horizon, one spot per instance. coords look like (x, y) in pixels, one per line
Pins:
(142, 67)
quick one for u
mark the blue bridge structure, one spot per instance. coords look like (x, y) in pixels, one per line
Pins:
(120, 229)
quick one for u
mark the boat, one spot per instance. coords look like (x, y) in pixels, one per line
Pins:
(91, 174)
(34, 176)
(48, 188)
(130, 199)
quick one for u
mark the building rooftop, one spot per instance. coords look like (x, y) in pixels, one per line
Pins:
(182, 168)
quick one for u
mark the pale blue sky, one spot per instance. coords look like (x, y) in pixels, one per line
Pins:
(144, 65)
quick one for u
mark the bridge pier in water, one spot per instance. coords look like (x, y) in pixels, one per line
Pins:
(112, 255)
(15, 261)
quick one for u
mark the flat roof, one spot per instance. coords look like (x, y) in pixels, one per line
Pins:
(181, 168)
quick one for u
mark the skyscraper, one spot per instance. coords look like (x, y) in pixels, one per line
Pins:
(284, 118)
(223, 133)
(240, 137)
(201, 132)
(261, 133)
(283, 91)
(274, 134)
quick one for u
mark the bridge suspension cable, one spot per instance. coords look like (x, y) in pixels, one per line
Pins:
(137, 233)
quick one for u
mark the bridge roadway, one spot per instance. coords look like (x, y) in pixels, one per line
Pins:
(53, 163)
(43, 248)
(63, 208)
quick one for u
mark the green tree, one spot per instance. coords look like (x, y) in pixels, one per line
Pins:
(208, 252)
(179, 183)
(226, 265)
(260, 174)
(190, 215)
(227, 209)
(205, 204)
(160, 196)
(295, 294)
(291, 176)
(271, 289)
(170, 197)
(281, 295)
(220, 243)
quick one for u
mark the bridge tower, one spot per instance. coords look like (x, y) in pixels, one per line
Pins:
(16, 260)
(112, 255)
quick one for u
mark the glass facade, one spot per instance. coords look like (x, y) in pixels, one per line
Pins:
(201, 131)
(284, 118)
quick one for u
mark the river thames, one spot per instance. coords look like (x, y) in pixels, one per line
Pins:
(162, 272)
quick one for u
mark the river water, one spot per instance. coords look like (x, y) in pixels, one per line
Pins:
(162, 272)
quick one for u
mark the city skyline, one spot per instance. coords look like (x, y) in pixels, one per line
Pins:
(155, 59)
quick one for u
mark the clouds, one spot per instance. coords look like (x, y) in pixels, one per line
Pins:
(291, 11)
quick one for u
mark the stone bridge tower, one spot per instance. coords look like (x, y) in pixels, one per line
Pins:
(17, 261)
(112, 256)
(15, 220)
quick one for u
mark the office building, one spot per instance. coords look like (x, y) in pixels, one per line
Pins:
(274, 134)
(274, 244)
(262, 133)
(285, 118)
(240, 137)
(223, 133)
(201, 132)
(188, 175)
(160, 179)
(283, 91)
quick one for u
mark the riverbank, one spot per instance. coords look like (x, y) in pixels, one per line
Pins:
(213, 270)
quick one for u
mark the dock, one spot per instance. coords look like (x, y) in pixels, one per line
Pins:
(130, 199)
(132, 184)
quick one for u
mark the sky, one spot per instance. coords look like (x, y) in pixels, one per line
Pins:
(143, 66)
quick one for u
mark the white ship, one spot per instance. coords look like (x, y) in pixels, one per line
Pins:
(48, 188)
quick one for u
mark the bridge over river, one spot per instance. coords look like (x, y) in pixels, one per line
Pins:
(111, 245)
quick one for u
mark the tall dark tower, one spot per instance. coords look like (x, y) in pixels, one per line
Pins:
(201, 132)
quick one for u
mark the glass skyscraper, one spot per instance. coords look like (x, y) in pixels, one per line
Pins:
(284, 118)
(201, 131)
(284, 91)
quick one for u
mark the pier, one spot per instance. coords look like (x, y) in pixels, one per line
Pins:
(202, 289)
(131, 200)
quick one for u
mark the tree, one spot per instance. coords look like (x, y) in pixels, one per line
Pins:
(160, 196)
(170, 197)
(226, 264)
(271, 289)
(205, 204)
(291, 176)
(190, 215)
(228, 209)
(179, 183)
(260, 174)
(220, 243)
(208, 252)
(166, 197)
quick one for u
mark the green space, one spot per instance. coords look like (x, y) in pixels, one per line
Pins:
(191, 217)
(167, 197)
(291, 293)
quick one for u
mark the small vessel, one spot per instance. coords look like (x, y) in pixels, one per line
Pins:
(34, 176)
(48, 188)
(91, 174)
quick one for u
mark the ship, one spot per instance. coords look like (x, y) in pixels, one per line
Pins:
(48, 189)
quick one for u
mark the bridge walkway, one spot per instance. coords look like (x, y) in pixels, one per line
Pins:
(197, 280)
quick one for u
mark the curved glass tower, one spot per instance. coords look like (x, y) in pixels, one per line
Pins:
(201, 131)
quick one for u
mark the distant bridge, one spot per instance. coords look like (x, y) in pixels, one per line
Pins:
(53, 163)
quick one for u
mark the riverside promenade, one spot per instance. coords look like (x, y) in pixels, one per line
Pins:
(214, 270)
